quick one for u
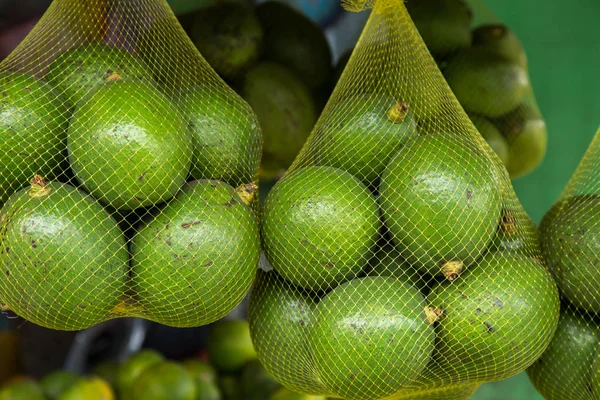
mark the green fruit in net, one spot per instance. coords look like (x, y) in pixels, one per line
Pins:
(440, 200)
(64, 259)
(129, 146)
(286, 394)
(319, 225)
(33, 123)
(371, 132)
(450, 392)
(230, 345)
(527, 137)
(485, 83)
(90, 388)
(444, 25)
(387, 261)
(517, 233)
(370, 337)
(226, 134)
(285, 110)
(492, 136)
(108, 371)
(81, 70)
(131, 369)
(164, 381)
(563, 371)
(295, 41)
(570, 234)
(496, 319)
(205, 237)
(200, 370)
(502, 40)
(595, 383)
(57, 383)
(229, 36)
(256, 382)
(22, 390)
(281, 318)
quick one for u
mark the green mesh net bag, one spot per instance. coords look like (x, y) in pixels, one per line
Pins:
(127, 172)
(398, 260)
(570, 237)
(486, 67)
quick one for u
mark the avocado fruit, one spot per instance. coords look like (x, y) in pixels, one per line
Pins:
(64, 259)
(444, 25)
(256, 382)
(286, 112)
(137, 155)
(195, 261)
(502, 40)
(492, 136)
(595, 382)
(517, 234)
(230, 345)
(296, 42)
(33, 131)
(56, 383)
(89, 388)
(319, 226)
(132, 368)
(286, 394)
(570, 235)
(440, 199)
(165, 380)
(485, 83)
(281, 317)
(496, 319)
(81, 70)
(445, 392)
(370, 337)
(229, 36)
(363, 142)
(26, 389)
(226, 134)
(564, 370)
(527, 137)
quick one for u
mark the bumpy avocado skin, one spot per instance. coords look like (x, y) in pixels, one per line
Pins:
(440, 200)
(195, 261)
(33, 130)
(496, 319)
(134, 153)
(570, 233)
(64, 258)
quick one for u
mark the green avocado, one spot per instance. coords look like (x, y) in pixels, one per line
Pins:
(132, 368)
(527, 137)
(570, 234)
(502, 40)
(319, 225)
(56, 383)
(286, 394)
(563, 371)
(496, 319)
(595, 382)
(444, 25)
(449, 392)
(81, 70)
(165, 380)
(517, 233)
(108, 371)
(195, 261)
(64, 259)
(256, 382)
(485, 83)
(33, 131)
(387, 261)
(22, 390)
(281, 317)
(285, 110)
(230, 345)
(206, 390)
(229, 36)
(200, 370)
(135, 153)
(440, 200)
(371, 131)
(296, 42)
(370, 337)
(492, 136)
(225, 132)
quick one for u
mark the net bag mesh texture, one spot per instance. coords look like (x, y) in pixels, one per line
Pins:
(127, 172)
(570, 237)
(399, 262)
(486, 66)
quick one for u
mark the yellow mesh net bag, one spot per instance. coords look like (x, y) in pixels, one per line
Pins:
(570, 237)
(398, 260)
(127, 171)
(486, 67)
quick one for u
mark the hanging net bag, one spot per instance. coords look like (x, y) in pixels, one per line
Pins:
(399, 263)
(126, 174)
(570, 237)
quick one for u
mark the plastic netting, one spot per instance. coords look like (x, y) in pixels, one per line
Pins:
(127, 168)
(399, 262)
(570, 236)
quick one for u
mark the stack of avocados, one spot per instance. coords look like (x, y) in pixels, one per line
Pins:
(280, 63)
(119, 196)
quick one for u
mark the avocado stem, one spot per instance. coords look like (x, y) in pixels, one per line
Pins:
(508, 223)
(39, 188)
(247, 192)
(452, 269)
(432, 314)
(397, 113)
